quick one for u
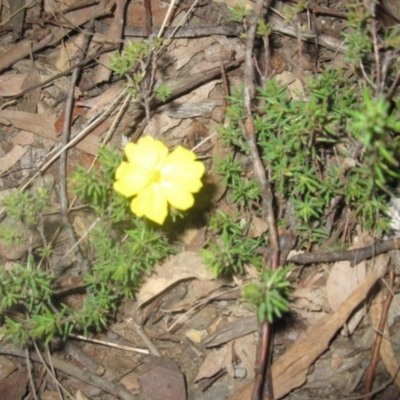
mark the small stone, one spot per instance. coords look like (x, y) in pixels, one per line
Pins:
(196, 336)
(163, 380)
(131, 382)
(240, 372)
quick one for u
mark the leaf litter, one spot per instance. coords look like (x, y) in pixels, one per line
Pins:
(181, 295)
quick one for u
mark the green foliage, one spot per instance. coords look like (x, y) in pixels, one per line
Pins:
(30, 288)
(121, 265)
(338, 141)
(123, 248)
(163, 92)
(374, 126)
(95, 187)
(12, 234)
(328, 151)
(26, 206)
(134, 53)
(358, 34)
(291, 12)
(232, 250)
(242, 191)
(263, 29)
(232, 134)
(270, 295)
(238, 12)
(299, 141)
(25, 283)
(136, 59)
(294, 138)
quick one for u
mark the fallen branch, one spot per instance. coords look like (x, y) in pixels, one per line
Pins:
(354, 256)
(263, 385)
(232, 29)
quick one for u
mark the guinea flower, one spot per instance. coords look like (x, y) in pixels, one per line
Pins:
(156, 178)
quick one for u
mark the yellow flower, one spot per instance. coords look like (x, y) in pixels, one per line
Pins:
(157, 178)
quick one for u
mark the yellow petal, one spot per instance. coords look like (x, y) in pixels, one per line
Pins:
(151, 203)
(179, 198)
(131, 181)
(122, 170)
(157, 178)
(183, 173)
(180, 153)
(130, 151)
(126, 188)
(147, 153)
(181, 164)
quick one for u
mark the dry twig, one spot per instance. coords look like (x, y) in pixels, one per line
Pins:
(354, 256)
(263, 384)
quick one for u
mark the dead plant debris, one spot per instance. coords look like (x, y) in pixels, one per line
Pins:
(185, 335)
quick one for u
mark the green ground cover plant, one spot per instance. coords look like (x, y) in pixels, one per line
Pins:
(330, 151)
(123, 248)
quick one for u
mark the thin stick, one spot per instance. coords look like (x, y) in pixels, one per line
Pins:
(108, 344)
(144, 337)
(83, 263)
(53, 371)
(263, 384)
(167, 18)
(39, 354)
(369, 380)
(181, 22)
(29, 367)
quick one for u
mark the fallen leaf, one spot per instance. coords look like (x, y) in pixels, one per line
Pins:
(290, 370)
(7, 367)
(215, 361)
(14, 386)
(342, 281)
(31, 99)
(294, 85)
(114, 36)
(39, 124)
(62, 63)
(195, 335)
(232, 330)
(80, 396)
(11, 84)
(11, 158)
(386, 351)
(18, 11)
(23, 138)
(245, 350)
(183, 55)
(183, 266)
(43, 125)
(258, 227)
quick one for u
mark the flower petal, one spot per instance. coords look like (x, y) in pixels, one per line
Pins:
(180, 166)
(182, 154)
(147, 153)
(186, 174)
(122, 170)
(129, 180)
(151, 203)
(179, 197)
(157, 178)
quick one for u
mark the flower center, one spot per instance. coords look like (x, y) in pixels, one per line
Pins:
(156, 177)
